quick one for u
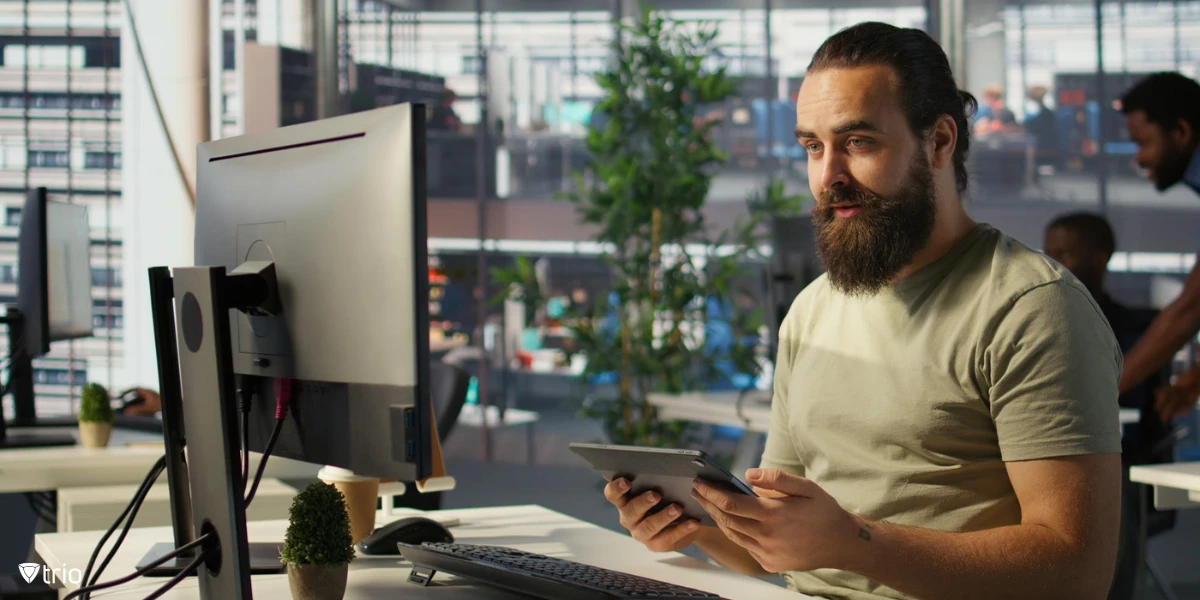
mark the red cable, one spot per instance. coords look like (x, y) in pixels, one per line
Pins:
(283, 397)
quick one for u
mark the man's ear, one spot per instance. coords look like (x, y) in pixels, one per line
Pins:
(1184, 133)
(1100, 262)
(942, 140)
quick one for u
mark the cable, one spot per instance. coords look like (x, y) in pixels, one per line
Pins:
(283, 400)
(262, 466)
(146, 483)
(132, 507)
(139, 499)
(187, 571)
(245, 449)
(184, 549)
(245, 395)
(158, 107)
(39, 509)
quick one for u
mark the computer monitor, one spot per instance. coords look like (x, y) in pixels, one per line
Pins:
(54, 301)
(55, 272)
(311, 270)
(339, 207)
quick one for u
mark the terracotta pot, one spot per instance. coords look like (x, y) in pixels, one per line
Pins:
(94, 435)
(318, 582)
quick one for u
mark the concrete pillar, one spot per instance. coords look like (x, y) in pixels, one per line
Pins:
(984, 48)
(944, 21)
(159, 217)
(325, 56)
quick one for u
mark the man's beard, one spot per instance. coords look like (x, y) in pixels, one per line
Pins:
(864, 252)
(1174, 165)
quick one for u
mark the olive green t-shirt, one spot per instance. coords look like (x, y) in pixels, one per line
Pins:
(905, 405)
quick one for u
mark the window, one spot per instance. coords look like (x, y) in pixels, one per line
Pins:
(45, 57)
(102, 321)
(8, 273)
(60, 100)
(49, 159)
(12, 216)
(100, 276)
(102, 160)
(60, 376)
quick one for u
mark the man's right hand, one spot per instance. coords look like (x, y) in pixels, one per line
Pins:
(658, 531)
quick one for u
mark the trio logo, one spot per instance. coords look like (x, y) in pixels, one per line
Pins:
(29, 572)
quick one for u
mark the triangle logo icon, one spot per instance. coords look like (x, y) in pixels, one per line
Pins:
(29, 571)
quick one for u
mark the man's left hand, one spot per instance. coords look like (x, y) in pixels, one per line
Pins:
(793, 525)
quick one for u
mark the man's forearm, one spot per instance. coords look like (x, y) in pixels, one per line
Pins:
(1166, 335)
(728, 554)
(1021, 561)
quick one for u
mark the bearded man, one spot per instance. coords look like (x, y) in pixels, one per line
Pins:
(944, 422)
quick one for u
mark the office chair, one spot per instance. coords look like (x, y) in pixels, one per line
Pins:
(448, 393)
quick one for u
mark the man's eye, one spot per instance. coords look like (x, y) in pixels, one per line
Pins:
(812, 147)
(859, 142)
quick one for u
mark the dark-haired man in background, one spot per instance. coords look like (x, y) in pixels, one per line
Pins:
(944, 422)
(1162, 114)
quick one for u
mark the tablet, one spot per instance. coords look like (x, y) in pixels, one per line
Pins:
(669, 472)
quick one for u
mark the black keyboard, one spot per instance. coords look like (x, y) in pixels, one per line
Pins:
(536, 575)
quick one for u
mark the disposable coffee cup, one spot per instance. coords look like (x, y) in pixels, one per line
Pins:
(361, 495)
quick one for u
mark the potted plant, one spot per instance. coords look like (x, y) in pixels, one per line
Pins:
(318, 548)
(676, 277)
(95, 416)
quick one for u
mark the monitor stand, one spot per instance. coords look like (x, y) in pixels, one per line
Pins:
(21, 388)
(264, 560)
(260, 558)
(9, 441)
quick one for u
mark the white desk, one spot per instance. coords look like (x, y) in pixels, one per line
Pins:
(96, 507)
(529, 528)
(720, 408)
(472, 416)
(126, 460)
(1176, 485)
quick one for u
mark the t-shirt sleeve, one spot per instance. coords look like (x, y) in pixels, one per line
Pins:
(780, 451)
(1052, 369)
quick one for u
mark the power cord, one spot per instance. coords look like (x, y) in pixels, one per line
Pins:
(283, 400)
(131, 512)
(184, 549)
(42, 506)
(124, 530)
(245, 394)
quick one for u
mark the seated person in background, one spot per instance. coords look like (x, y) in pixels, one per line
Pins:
(1040, 125)
(993, 115)
(443, 117)
(1083, 243)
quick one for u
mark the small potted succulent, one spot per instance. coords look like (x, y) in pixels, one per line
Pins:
(95, 416)
(318, 548)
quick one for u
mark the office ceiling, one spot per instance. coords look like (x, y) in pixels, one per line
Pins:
(631, 5)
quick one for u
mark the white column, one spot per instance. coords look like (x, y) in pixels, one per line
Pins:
(986, 53)
(283, 23)
(159, 218)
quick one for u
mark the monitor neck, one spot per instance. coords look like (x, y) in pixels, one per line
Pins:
(20, 378)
